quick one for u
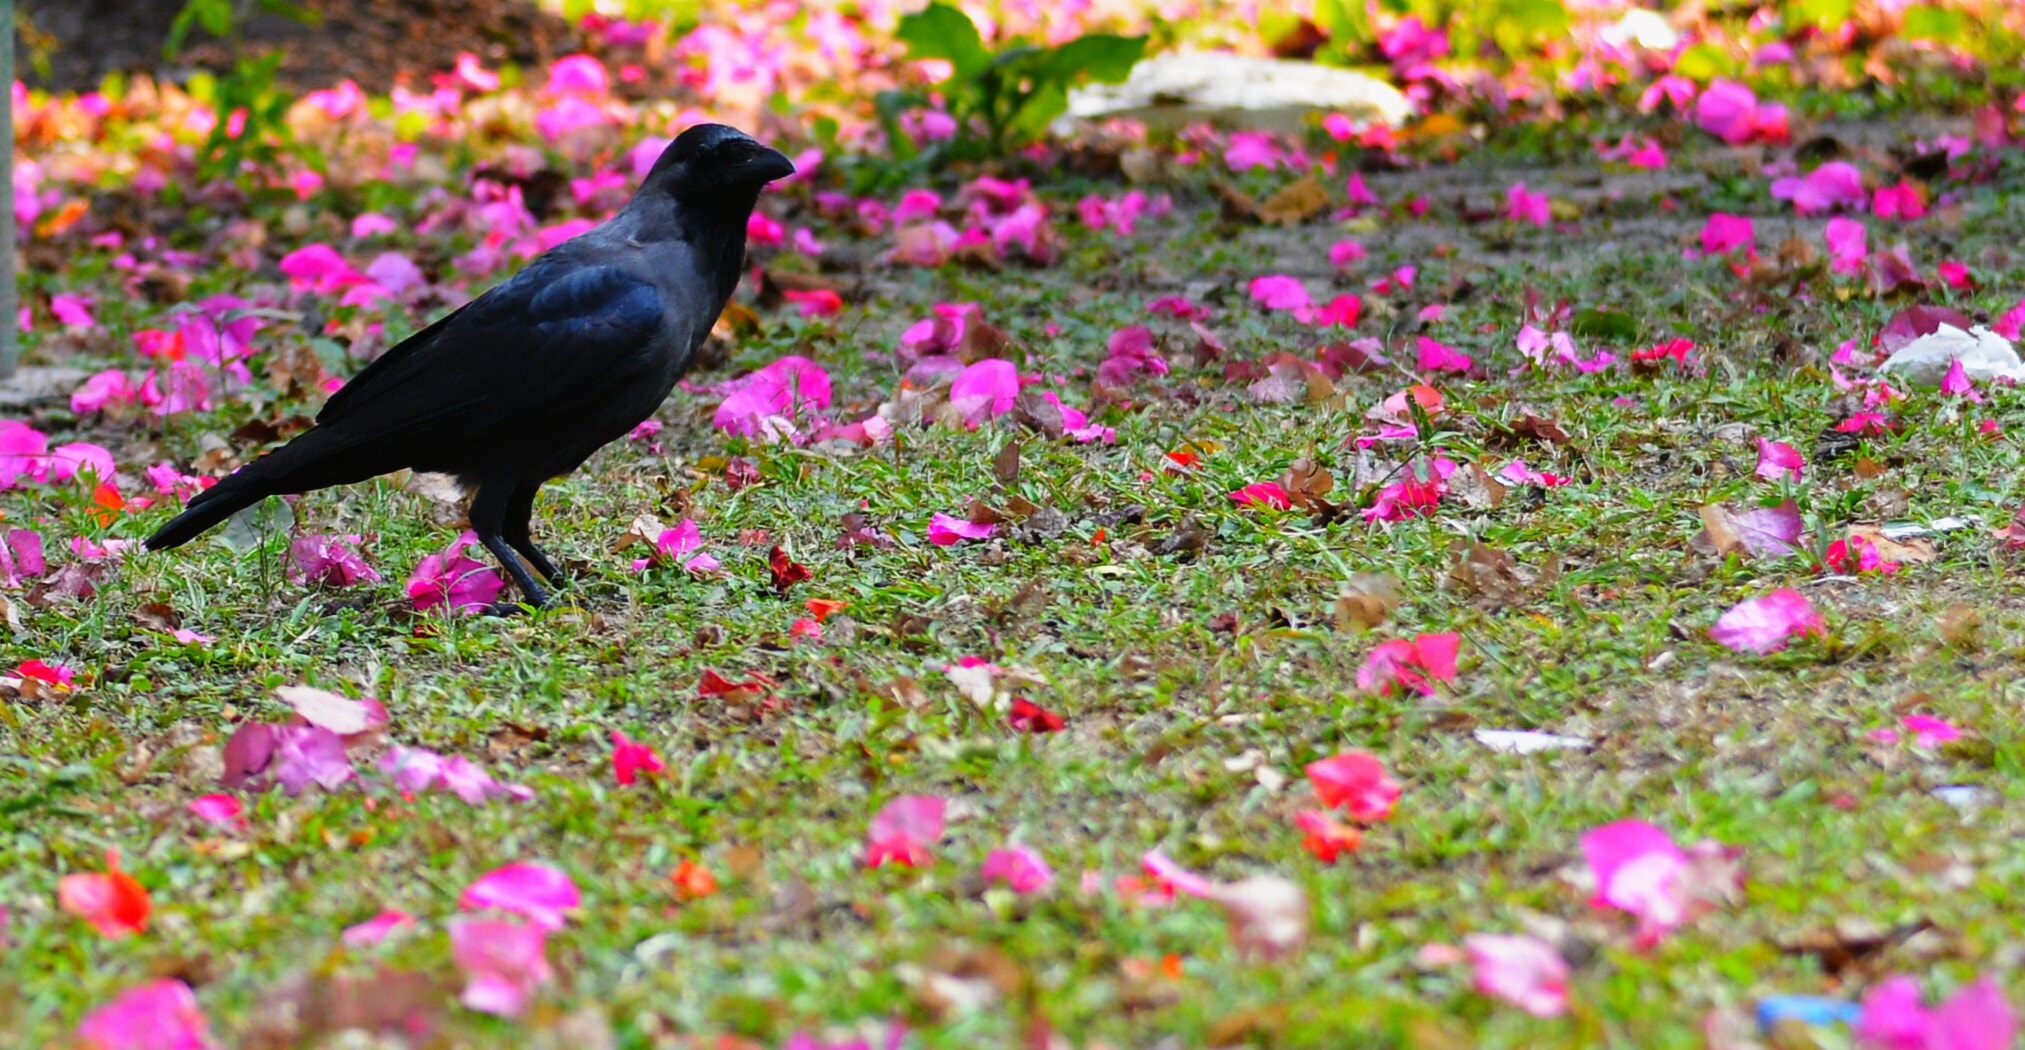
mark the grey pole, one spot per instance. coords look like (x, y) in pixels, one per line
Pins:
(10, 294)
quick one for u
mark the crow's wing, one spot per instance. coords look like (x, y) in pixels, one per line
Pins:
(553, 339)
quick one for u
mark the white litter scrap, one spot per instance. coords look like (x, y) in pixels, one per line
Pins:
(1964, 797)
(1526, 742)
(1268, 93)
(1908, 530)
(1984, 354)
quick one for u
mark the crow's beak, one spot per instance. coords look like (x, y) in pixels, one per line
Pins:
(766, 165)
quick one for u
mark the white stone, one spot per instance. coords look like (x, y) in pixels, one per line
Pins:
(1234, 90)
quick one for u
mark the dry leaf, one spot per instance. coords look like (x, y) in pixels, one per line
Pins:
(1476, 488)
(1366, 600)
(1306, 483)
(1006, 465)
(1296, 202)
(1268, 915)
(1913, 551)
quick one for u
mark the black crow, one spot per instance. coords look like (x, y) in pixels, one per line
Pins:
(523, 383)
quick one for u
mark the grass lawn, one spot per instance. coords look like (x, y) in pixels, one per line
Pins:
(1200, 652)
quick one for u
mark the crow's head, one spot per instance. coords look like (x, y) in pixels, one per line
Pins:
(713, 162)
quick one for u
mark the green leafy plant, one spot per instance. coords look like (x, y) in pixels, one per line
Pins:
(221, 17)
(1001, 99)
(252, 117)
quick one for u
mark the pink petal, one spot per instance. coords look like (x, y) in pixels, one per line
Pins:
(378, 928)
(945, 529)
(1778, 460)
(1266, 494)
(1018, 866)
(1356, 782)
(503, 963)
(1976, 1017)
(542, 893)
(984, 390)
(218, 809)
(159, 1015)
(1767, 624)
(1522, 970)
(1279, 292)
(1162, 868)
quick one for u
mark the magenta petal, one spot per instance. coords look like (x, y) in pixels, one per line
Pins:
(1019, 867)
(378, 928)
(1765, 625)
(1893, 1016)
(985, 390)
(542, 893)
(310, 755)
(918, 817)
(945, 529)
(1522, 970)
(503, 963)
(160, 1015)
(1975, 1018)
(1162, 867)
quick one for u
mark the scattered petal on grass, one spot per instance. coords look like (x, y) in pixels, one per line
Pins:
(903, 830)
(328, 561)
(327, 710)
(1767, 624)
(454, 580)
(1325, 837)
(947, 529)
(1976, 1017)
(1265, 494)
(159, 1015)
(630, 759)
(1522, 970)
(1411, 665)
(1020, 867)
(1778, 461)
(1355, 782)
(503, 963)
(692, 881)
(1638, 869)
(218, 810)
(1029, 717)
(378, 928)
(544, 894)
(112, 901)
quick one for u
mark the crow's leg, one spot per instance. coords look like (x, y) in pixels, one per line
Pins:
(519, 533)
(488, 514)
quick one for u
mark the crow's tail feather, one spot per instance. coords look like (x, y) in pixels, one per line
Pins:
(313, 460)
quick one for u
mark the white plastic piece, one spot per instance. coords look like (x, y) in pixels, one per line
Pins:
(1984, 354)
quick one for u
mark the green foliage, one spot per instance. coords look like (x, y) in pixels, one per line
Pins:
(263, 134)
(1004, 99)
(221, 17)
(1944, 24)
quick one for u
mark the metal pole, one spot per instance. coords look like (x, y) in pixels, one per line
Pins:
(10, 293)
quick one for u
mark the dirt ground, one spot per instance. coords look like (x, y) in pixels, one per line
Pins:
(70, 45)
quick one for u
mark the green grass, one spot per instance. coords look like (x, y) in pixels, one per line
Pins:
(1161, 695)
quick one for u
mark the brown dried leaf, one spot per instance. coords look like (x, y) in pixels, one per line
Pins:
(1306, 482)
(1367, 599)
(1032, 410)
(158, 616)
(1961, 626)
(1476, 488)
(1237, 205)
(1914, 551)
(1006, 465)
(1296, 202)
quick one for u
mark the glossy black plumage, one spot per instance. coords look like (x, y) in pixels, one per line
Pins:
(523, 383)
